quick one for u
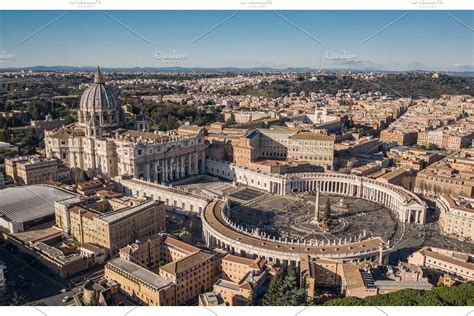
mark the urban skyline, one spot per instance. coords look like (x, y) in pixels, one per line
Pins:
(365, 40)
(236, 158)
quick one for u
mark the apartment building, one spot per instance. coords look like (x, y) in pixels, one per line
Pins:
(145, 253)
(319, 274)
(364, 281)
(447, 261)
(32, 169)
(451, 176)
(167, 271)
(453, 137)
(400, 137)
(280, 143)
(110, 223)
(415, 159)
(192, 275)
(140, 283)
(456, 217)
(317, 149)
(240, 279)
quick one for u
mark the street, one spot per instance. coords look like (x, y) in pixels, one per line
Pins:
(36, 285)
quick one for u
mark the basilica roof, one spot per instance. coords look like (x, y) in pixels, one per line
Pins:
(99, 96)
(101, 101)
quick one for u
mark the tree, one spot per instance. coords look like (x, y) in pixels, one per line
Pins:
(231, 120)
(17, 299)
(292, 294)
(94, 300)
(328, 209)
(272, 296)
(461, 295)
(285, 291)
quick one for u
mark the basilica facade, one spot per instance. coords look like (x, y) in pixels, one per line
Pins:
(100, 144)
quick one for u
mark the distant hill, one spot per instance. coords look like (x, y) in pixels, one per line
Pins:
(221, 69)
(157, 69)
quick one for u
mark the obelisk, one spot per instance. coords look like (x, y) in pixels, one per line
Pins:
(316, 208)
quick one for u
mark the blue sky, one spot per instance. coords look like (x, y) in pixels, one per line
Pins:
(431, 40)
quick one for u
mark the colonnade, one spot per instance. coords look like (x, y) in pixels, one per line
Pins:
(218, 234)
(405, 204)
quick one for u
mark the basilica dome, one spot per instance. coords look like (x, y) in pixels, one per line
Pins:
(102, 101)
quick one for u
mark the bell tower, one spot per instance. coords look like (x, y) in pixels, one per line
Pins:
(141, 123)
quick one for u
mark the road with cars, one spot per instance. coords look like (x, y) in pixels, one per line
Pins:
(35, 284)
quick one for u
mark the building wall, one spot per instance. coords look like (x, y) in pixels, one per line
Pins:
(193, 281)
(234, 269)
(455, 221)
(401, 138)
(145, 253)
(428, 182)
(447, 264)
(316, 152)
(88, 228)
(232, 297)
(220, 169)
(172, 197)
(32, 170)
(283, 144)
(160, 161)
(140, 290)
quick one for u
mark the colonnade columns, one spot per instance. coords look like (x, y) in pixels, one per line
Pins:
(196, 163)
(170, 169)
(147, 171)
(183, 167)
(190, 164)
(203, 162)
(165, 171)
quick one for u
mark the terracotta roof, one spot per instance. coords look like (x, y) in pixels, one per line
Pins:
(352, 275)
(190, 128)
(180, 244)
(90, 184)
(312, 136)
(454, 205)
(429, 253)
(186, 263)
(257, 263)
(237, 259)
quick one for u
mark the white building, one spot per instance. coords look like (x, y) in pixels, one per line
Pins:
(98, 146)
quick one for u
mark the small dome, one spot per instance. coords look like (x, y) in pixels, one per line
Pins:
(141, 117)
(101, 100)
